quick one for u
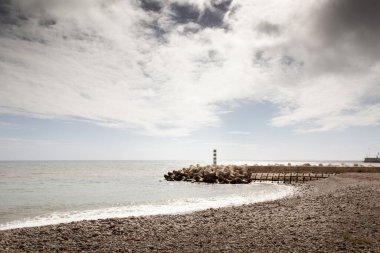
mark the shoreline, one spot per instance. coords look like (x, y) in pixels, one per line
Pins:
(341, 213)
(179, 207)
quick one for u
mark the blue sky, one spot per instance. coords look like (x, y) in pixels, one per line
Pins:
(256, 79)
(244, 134)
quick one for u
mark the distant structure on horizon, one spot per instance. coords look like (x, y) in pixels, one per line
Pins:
(373, 159)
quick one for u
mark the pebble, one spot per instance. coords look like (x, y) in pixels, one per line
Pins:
(285, 225)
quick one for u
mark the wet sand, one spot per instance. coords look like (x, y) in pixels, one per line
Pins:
(337, 214)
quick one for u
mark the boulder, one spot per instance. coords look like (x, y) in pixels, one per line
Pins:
(220, 174)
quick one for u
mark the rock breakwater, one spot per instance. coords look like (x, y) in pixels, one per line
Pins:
(212, 174)
(244, 174)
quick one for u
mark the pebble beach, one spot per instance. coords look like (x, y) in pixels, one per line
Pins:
(337, 214)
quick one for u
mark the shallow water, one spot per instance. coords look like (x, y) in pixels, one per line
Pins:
(50, 192)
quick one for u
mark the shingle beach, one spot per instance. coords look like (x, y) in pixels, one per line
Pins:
(337, 214)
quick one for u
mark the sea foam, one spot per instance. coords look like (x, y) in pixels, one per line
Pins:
(178, 206)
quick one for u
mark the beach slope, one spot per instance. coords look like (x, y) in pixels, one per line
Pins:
(338, 214)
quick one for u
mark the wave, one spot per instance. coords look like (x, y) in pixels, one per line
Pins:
(179, 206)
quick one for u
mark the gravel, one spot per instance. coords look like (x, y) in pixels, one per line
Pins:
(338, 214)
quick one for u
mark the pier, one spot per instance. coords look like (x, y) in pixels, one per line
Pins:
(244, 174)
(289, 177)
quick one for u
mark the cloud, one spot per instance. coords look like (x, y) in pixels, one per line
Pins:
(351, 25)
(269, 28)
(8, 125)
(239, 132)
(337, 74)
(23, 141)
(150, 5)
(185, 12)
(169, 68)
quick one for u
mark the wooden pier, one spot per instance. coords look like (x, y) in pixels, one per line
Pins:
(288, 177)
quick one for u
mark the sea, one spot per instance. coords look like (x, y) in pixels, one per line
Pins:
(37, 193)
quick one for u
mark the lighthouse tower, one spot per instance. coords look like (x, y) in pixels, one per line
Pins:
(214, 157)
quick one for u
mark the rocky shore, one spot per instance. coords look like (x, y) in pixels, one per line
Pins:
(337, 214)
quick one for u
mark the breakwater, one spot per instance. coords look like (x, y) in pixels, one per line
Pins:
(244, 174)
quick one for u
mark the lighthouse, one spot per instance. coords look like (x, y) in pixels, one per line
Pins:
(214, 157)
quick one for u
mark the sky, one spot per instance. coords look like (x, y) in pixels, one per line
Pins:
(171, 80)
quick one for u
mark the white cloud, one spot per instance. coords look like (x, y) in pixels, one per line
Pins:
(24, 141)
(333, 102)
(239, 132)
(8, 125)
(102, 61)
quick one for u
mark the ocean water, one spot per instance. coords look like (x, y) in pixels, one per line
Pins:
(35, 193)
